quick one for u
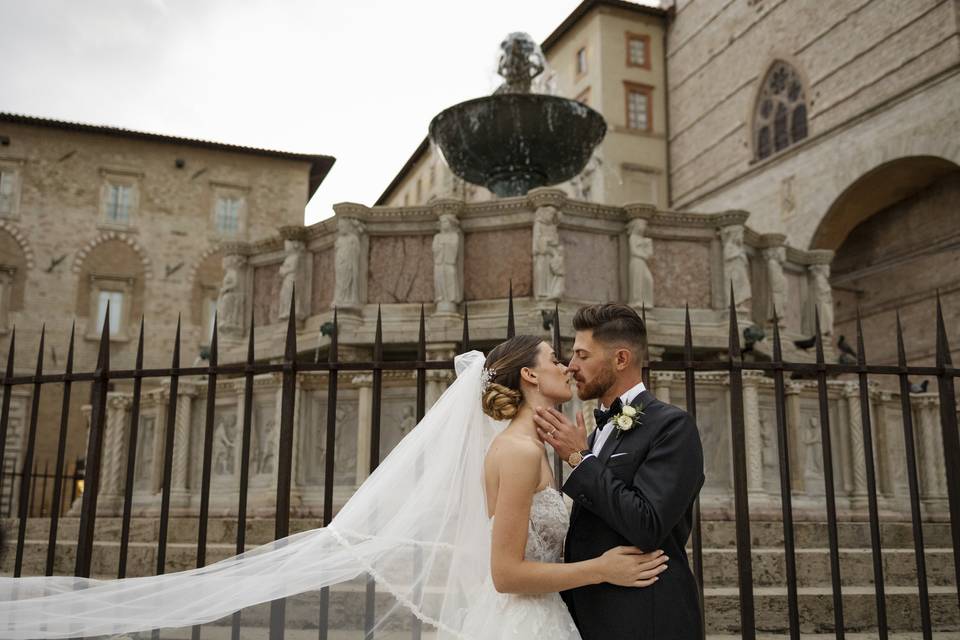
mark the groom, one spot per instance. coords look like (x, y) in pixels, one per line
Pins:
(634, 482)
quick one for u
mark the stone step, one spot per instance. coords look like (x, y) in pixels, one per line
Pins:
(720, 565)
(716, 533)
(722, 612)
(816, 609)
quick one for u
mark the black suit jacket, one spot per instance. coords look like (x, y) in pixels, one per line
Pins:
(639, 491)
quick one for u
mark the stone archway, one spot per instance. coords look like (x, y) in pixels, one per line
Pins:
(874, 191)
(896, 234)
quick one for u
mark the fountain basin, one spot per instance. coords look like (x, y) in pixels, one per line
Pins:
(513, 142)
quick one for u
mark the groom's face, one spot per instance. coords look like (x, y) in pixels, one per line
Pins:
(591, 366)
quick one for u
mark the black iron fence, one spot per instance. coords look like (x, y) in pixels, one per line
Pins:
(734, 365)
(43, 496)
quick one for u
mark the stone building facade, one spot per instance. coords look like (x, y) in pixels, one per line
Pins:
(95, 214)
(872, 171)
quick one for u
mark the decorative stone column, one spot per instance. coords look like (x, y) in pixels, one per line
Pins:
(931, 463)
(851, 396)
(752, 437)
(350, 257)
(775, 255)
(640, 251)
(438, 380)
(549, 262)
(180, 478)
(295, 273)
(115, 444)
(364, 384)
(792, 391)
(448, 256)
(821, 293)
(661, 381)
(232, 301)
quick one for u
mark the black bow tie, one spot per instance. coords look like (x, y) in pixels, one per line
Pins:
(602, 417)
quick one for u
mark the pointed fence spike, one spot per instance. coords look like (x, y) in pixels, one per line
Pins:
(176, 347)
(734, 345)
(378, 337)
(687, 334)
(250, 339)
(556, 331)
(511, 326)
(643, 312)
(43, 334)
(138, 364)
(103, 353)
(777, 348)
(465, 340)
(11, 347)
(213, 342)
(332, 351)
(290, 344)
(818, 335)
(943, 344)
(422, 338)
(69, 365)
(861, 358)
(901, 350)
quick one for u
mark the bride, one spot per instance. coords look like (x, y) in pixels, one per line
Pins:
(459, 527)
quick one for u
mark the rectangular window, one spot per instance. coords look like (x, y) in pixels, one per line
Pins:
(638, 50)
(115, 300)
(581, 61)
(7, 191)
(119, 202)
(639, 107)
(227, 217)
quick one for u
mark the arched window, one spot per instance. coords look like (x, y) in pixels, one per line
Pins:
(780, 119)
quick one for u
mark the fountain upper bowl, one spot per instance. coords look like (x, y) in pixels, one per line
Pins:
(513, 142)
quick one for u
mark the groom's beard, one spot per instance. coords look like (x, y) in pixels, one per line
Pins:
(589, 390)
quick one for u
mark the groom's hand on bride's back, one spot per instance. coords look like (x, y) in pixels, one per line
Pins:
(631, 567)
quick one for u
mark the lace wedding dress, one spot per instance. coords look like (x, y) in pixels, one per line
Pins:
(498, 616)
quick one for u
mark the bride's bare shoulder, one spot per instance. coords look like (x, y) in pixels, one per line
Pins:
(512, 448)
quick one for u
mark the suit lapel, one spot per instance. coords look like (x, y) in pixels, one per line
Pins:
(617, 437)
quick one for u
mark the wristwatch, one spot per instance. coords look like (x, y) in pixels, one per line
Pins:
(577, 457)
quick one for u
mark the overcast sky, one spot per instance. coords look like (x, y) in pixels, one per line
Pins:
(355, 79)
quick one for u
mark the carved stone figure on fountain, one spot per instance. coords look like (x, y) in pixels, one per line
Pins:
(548, 257)
(520, 62)
(347, 257)
(293, 278)
(822, 294)
(448, 264)
(736, 267)
(777, 282)
(641, 251)
(230, 302)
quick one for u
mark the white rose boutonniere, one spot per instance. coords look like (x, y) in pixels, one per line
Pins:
(627, 419)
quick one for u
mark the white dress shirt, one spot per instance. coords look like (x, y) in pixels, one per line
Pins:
(604, 430)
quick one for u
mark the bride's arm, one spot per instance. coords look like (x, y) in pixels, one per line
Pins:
(519, 477)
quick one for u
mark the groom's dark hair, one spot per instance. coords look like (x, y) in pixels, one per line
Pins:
(614, 325)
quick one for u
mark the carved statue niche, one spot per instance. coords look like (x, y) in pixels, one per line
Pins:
(347, 267)
(736, 267)
(231, 301)
(293, 275)
(549, 270)
(448, 264)
(641, 251)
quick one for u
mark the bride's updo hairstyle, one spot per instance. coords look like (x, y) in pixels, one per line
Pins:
(502, 397)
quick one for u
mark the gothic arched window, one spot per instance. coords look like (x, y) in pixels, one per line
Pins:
(780, 119)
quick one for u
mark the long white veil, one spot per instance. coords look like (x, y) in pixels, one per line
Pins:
(417, 525)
